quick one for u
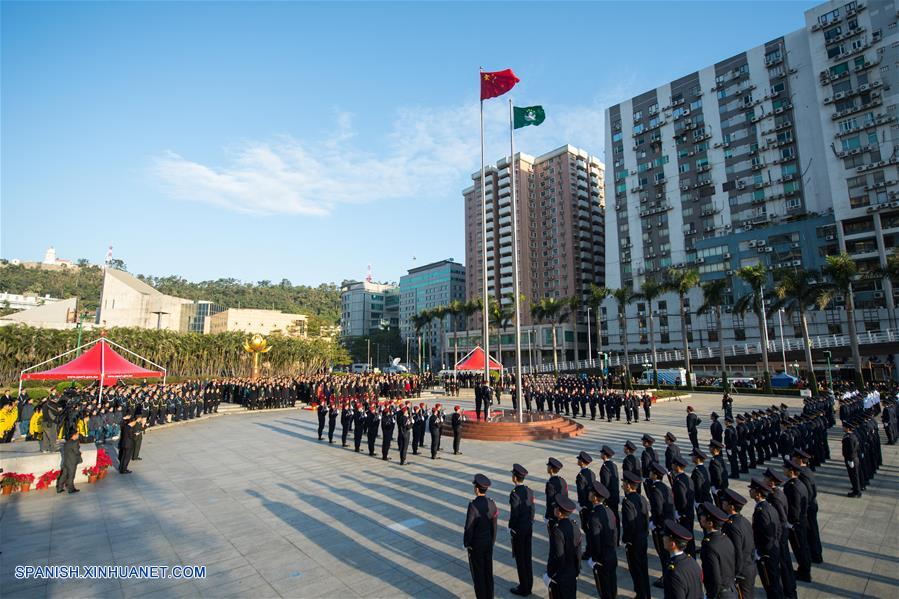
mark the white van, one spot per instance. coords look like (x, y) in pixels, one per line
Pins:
(360, 368)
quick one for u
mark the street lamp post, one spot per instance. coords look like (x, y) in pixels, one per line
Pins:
(589, 343)
(647, 366)
(829, 377)
(783, 347)
(795, 366)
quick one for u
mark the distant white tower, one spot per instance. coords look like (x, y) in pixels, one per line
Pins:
(50, 255)
(108, 260)
(368, 276)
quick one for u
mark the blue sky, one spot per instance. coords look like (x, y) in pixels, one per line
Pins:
(303, 140)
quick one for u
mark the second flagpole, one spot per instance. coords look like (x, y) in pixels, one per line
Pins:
(519, 388)
(486, 306)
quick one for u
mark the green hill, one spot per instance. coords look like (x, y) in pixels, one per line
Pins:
(322, 302)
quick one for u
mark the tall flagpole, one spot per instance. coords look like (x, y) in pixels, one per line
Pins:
(518, 383)
(486, 305)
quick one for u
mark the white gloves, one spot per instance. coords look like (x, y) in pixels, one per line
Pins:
(547, 580)
(591, 563)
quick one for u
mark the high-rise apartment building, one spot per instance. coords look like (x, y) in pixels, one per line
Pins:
(854, 61)
(750, 161)
(427, 287)
(561, 243)
(366, 306)
(560, 227)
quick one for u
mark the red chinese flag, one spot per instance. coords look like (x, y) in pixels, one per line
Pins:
(497, 83)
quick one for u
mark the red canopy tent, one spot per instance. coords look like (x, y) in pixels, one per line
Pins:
(100, 362)
(474, 360)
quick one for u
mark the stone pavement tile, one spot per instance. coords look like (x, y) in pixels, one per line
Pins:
(300, 586)
(160, 588)
(11, 585)
(241, 588)
(221, 577)
(84, 588)
(879, 589)
(19, 593)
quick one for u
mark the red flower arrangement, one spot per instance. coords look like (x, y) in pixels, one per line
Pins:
(91, 471)
(25, 481)
(103, 460)
(47, 478)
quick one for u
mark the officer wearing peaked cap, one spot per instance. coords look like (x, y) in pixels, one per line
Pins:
(635, 514)
(672, 450)
(480, 536)
(739, 530)
(521, 528)
(556, 487)
(584, 482)
(564, 561)
(682, 575)
(717, 553)
(630, 463)
(608, 476)
(649, 455)
(766, 535)
(602, 537)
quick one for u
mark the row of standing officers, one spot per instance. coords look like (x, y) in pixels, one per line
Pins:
(735, 551)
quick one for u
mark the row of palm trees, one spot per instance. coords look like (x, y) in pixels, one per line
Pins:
(794, 291)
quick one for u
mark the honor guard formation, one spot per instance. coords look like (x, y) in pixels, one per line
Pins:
(574, 396)
(660, 499)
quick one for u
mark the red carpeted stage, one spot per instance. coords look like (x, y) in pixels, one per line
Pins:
(504, 426)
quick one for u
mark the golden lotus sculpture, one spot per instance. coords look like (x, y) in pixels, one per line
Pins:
(257, 344)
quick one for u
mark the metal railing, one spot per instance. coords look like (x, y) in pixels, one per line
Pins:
(820, 342)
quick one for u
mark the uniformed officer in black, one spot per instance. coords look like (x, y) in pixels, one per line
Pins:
(555, 487)
(522, 505)
(333, 413)
(702, 482)
(608, 476)
(766, 534)
(630, 463)
(601, 531)
(403, 433)
(717, 554)
(564, 562)
(584, 483)
(715, 428)
(682, 575)
(717, 470)
(480, 536)
(739, 530)
(661, 506)
(671, 450)
(850, 446)
(456, 420)
(359, 421)
(648, 456)
(682, 491)
(693, 422)
(322, 412)
(814, 534)
(777, 499)
(797, 515)
(373, 423)
(634, 532)
(732, 443)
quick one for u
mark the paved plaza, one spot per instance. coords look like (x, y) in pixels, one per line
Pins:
(271, 511)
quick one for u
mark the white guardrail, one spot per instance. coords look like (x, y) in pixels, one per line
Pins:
(741, 349)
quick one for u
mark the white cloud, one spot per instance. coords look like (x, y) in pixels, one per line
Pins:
(429, 153)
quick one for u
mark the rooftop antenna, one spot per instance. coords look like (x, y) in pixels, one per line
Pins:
(368, 276)
(108, 260)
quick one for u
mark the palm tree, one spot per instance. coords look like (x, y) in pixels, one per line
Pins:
(597, 296)
(756, 277)
(624, 297)
(890, 273)
(500, 316)
(553, 311)
(649, 292)
(841, 270)
(714, 294)
(797, 292)
(681, 281)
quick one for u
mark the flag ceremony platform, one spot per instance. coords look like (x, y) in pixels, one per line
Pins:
(25, 457)
(504, 426)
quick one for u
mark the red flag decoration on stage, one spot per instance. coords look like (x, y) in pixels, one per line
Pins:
(497, 83)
